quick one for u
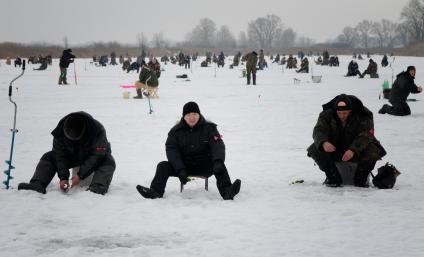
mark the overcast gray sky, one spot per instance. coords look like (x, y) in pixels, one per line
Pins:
(84, 21)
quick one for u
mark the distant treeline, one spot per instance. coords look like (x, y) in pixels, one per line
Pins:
(14, 50)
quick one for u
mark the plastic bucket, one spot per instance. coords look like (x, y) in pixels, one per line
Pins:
(126, 95)
(316, 79)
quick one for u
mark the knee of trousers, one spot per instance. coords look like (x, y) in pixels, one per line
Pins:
(321, 158)
(104, 172)
(164, 166)
(49, 156)
(109, 162)
(367, 165)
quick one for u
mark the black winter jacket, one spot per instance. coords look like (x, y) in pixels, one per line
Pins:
(188, 148)
(352, 68)
(403, 85)
(87, 152)
(66, 59)
(357, 135)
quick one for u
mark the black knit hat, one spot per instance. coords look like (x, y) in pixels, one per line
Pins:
(191, 107)
(74, 126)
(410, 68)
(343, 103)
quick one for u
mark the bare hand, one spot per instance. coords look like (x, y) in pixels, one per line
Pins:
(347, 155)
(64, 185)
(420, 89)
(328, 147)
(75, 180)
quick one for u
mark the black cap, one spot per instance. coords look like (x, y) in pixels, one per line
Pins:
(343, 103)
(74, 126)
(410, 68)
(191, 107)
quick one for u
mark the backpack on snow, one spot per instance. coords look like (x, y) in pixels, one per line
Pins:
(386, 176)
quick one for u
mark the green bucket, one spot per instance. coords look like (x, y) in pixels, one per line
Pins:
(244, 73)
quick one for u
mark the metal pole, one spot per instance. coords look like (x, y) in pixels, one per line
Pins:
(392, 68)
(75, 74)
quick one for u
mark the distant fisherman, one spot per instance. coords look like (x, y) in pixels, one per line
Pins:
(402, 87)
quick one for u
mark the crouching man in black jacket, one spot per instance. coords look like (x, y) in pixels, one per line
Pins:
(194, 147)
(78, 141)
(402, 87)
(344, 132)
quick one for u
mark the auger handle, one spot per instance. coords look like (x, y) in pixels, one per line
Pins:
(20, 75)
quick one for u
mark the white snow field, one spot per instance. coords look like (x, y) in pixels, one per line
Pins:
(266, 130)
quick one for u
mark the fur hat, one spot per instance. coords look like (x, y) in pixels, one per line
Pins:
(191, 107)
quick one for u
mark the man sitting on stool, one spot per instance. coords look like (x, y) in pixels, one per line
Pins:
(194, 148)
(148, 81)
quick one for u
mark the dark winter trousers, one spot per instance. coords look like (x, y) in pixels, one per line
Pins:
(398, 109)
(303, 70)
(62, 77)
(47, 168)
(326, 162)
(253, 72)
(372, 74)
(353, 73)
(165, 170)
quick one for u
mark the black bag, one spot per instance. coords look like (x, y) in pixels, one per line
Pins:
(386, 177)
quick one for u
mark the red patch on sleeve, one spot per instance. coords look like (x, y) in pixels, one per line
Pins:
(100, 149)
(371, 131)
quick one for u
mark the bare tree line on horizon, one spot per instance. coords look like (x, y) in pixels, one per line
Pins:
(269, 32)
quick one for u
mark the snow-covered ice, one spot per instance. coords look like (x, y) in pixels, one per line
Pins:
(266, 129)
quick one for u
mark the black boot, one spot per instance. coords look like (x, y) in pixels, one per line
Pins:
(32, 186)
(333, 178)
(361, 175)
(361, 178)
(147, 192)
(232, 190)
(383, 109)
(254, 79)
(139, 95)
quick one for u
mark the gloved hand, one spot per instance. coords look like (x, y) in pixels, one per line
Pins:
(183, 177)
(218, 167)
(64, 185)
